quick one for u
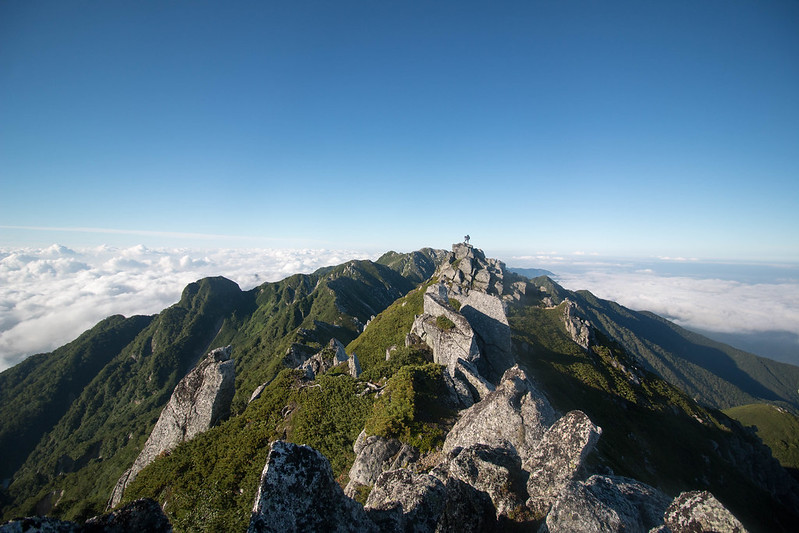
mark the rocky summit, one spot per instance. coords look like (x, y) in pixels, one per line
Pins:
(428, 392)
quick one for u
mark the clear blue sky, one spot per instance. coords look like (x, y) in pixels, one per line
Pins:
(634, 128)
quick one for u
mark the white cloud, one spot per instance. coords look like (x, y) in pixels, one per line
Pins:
(49, 296)
(711, 304)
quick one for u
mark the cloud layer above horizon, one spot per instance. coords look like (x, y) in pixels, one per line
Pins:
(50, 296)
(711, 304)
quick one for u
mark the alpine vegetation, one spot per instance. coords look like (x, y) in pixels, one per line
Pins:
(427, 391)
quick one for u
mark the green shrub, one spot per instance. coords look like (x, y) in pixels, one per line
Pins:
(400, 357)
(362, 494)
(455, 304)
(410, 408)
(443, 323)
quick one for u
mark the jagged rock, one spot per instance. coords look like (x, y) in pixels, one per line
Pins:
(557, 459)
(494, 471)
(297, 354)
(405, 501)
(410, 339)
(40, 524)
(297, 492)
(513, 416)
(257, 392)
(700, 511)
(467, 372)
(393, 347)
(468, 267)
(486, 342)
(373, 455)
(487, 316)
(579, 329)
(354, 365)
(331, 355)
(483, 287)
(405, 458)
(466, 509)
(459, 394)
(340, 354)
(457, 341)
(606, 504)
(200, 400)
(465, 385)
(141, 515)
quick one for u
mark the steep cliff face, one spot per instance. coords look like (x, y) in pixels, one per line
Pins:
(200, 400)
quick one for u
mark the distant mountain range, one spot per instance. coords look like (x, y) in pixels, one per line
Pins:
(532, 272)
(74, 420)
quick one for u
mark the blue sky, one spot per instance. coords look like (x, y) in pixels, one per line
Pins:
(619, 128)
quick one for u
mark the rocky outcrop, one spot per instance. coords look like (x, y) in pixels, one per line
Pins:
(373, 456)
(402, 500)
(40, 524)
(446, 331)
(331, 355)
(607, 504)
(468, 266)
(140, 515)
(466, 509)
(406, 501)
(297, 354)
(297, 492)
(200, 400)
(700, 511)
(487, 315)
(514, 416)
(579, 329)
(496, 472)
(483, 288)
(354, 365)
(465, 319)
(257, 392)
(556, 460)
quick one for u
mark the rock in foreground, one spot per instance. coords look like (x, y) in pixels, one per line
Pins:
(514, 416)
(700, 511)
(297, 492)
(141, 515)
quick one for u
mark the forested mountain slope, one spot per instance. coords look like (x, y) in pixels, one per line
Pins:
(713, 373)
(73, 420)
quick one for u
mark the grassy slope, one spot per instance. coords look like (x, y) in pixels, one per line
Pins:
(712, 372)
(209, 482)
(778, 429)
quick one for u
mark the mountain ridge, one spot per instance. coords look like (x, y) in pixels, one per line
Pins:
(272, 323)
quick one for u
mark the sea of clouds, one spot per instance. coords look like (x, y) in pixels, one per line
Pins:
(711, 304)
(50, 296)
